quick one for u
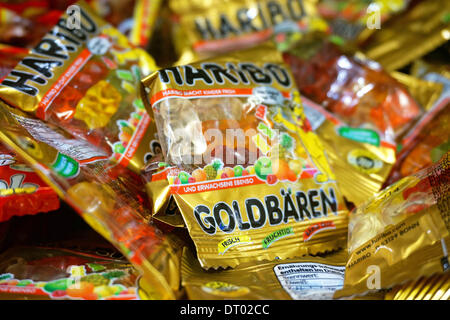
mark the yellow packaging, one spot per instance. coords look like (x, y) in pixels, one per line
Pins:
(303, 278)
(209, 29)
(421, 68)
(144, 18)
(248, 174)
(424, 92)
(359, 157)
(107, 197)
(436, 287)
(86, 80)
(401, 234)
(419, 31)
(157, 187)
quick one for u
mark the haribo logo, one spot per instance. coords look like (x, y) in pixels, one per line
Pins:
(374, 16)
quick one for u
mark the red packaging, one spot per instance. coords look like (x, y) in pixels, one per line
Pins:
(357, 91)
(22, 192)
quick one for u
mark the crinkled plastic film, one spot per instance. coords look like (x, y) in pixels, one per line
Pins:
(401, 234)
(86, 81)
(22, 192)
(110, 205)
(359, 92)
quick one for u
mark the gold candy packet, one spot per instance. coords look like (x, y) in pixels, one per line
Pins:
(426, 93)
(247, 172)
(401, 234)
(157, 186)
(359, 157)
(436, 287)
(109, 198)
(411, 35)
(303, 278)
(228, 25)
(86, 80)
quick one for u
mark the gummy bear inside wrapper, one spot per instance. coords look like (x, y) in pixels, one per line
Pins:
(358, 92)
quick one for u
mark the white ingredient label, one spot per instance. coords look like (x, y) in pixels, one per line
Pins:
(310, 281)
(76, 149)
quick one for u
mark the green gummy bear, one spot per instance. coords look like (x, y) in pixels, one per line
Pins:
(61, 284)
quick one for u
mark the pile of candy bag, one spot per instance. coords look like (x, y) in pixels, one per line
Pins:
(217, 150)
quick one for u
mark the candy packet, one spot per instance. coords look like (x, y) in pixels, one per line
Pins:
(436, 287)
(410, 36)
(360, 159)
(40, 273)
(428, 140)
(208, 30)
(23, 23)
(85, 80)
(303, 278)
(22, 192)
(355, 20)
(400, 234)
(356, 90)
(425, 144)
(248, 174)
(425, 92)
(109, 198)
(164, 207)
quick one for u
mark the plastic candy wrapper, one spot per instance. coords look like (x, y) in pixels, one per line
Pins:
(360, 159)
(303, 278)
(412, 35)
(55, 273)
(427, 142)
(356, 91)
(425, 92)
(355, 20)
(208, 29)
(436, 287)
(248, 174)
(401, 234)
(164, 207)
(23, 23)
(109, 198)
(86, 81)
(22, 192)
